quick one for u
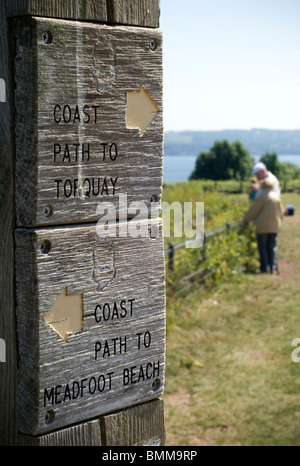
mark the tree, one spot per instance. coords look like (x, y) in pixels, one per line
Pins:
(242, 161)
(270, 159)
(283, 170)
(223, 162)
(289, 171)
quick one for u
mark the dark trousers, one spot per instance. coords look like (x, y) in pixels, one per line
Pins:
(267, 247)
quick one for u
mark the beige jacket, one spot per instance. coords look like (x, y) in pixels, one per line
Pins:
(267, 212)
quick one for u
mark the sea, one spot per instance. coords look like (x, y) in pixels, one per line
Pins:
(179, 168)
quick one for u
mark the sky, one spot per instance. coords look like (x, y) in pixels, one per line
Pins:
(231, 64)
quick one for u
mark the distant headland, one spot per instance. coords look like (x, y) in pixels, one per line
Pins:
(256, 141)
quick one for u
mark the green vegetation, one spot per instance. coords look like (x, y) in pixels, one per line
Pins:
(230, 379)
(283, 171)
(222, 257)
(219, 209)
(225, 161)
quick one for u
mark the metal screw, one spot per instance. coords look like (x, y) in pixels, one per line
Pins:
(50, 415)
(154, 198)
(47, 37)
(156, 384)
(154, 231)
(46, 246)
(152, 44)
(48, 211)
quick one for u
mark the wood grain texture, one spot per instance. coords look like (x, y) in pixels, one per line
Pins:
(8, 430)
(134, 12)
(118, 359)
(35, 82)
(141, 425)
(131, 12)
(82, 435)
(93, 10)
(83, 74)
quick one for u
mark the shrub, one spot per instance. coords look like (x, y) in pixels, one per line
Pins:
(224, 256)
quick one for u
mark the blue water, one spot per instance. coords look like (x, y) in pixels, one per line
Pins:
(179, 168)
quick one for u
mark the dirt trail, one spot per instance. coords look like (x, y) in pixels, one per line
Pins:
(271, 292)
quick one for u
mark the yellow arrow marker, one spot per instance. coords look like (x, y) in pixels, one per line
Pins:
(141, 110)
(66, 314)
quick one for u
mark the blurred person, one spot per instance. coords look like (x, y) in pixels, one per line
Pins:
(261, 172)
(267, 213)
(254, 187)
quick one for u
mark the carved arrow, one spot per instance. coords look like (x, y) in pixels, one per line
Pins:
(66, 314)
(141, 110)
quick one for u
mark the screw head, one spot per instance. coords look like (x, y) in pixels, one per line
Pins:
(154, 198)
(47, 37)
(152, 44)
(46, 246)
(49, 417)
(156, 384)
(48, 210)
(154, 232)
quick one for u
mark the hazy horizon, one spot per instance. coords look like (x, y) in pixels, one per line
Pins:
(228, 129)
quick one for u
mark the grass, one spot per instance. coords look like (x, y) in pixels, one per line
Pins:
(230, 378)
(229, 185)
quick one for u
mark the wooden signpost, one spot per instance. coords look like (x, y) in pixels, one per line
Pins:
(94, 96)
(92, 323)
(81, 148)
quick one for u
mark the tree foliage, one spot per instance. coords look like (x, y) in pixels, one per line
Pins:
(223, 161)
(283, 171)
(272, 163)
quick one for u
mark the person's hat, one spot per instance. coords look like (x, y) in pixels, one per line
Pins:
(258, 167)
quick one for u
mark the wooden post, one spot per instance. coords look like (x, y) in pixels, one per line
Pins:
(82, 318)
(171, 257)
(8, 434)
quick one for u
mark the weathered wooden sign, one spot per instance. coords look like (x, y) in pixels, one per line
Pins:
(90, 321)
(81, 141)
(88, 118)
